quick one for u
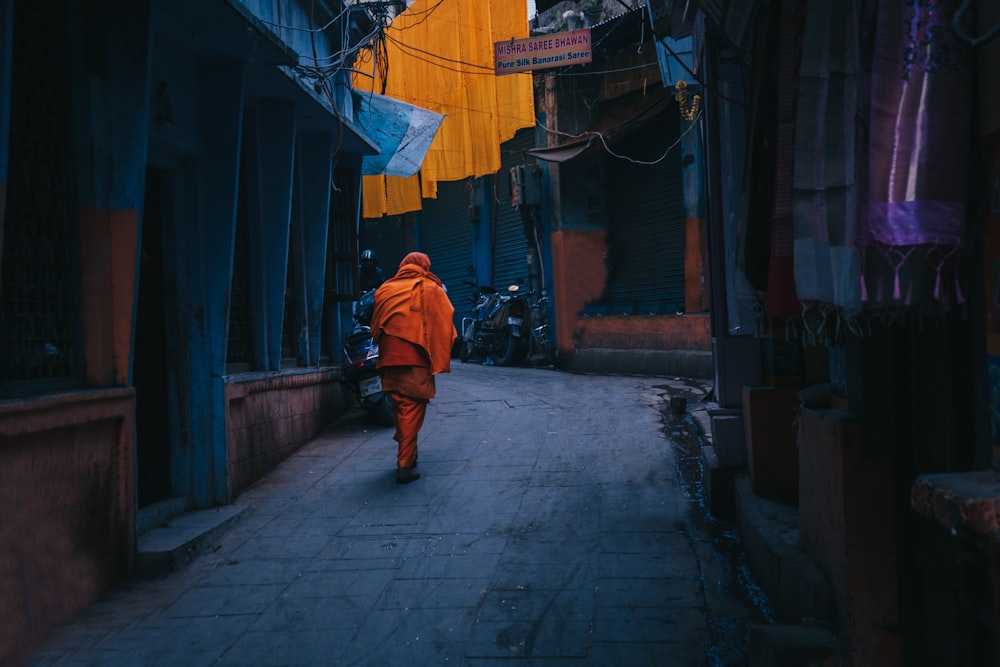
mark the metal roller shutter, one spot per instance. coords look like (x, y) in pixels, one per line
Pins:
(510, 247)
(646, 238)
(446, 236)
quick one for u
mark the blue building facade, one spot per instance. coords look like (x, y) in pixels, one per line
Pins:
(179, 197)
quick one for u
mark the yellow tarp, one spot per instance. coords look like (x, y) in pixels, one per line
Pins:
(440, 57)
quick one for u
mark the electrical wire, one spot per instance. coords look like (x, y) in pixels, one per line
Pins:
(606, 71)
(427, 14)
(601, 136)
(694, 124)
(403, 46)
(294, 28)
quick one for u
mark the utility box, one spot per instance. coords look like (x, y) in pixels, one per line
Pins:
(525, 185)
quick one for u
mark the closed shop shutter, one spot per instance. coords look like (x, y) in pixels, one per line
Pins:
(646, 236)
(510, 247)
(389, 238)
(446, 236)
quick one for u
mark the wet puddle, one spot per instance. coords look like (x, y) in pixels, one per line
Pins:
(726, 642)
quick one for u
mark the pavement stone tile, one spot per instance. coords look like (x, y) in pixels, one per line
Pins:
(475, 510)
(644, 542)
(646, 624)
(640, 566)
(528, 604)
(293, 546)
(537, 638)
(442, 593)
(334, 564)
(499, 471)
(298, 648)
(655, 593)
(620, 652)
(259, 571)
(546, 576)
(401, 517)
(340, 615)
(214, 601)
(376, 549)
(366, 584)
(460, 544)
(487, 523)
(527, 662)
(458, 566)
(163, 634)
(412, 637)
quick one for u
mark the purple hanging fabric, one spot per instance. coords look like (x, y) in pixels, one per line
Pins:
(920, 107)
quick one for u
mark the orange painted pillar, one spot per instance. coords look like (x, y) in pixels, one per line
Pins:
(578, 278)
(108, 242)
(694, 266)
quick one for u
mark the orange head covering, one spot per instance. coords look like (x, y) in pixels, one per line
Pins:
(413, 306)
(418, 258)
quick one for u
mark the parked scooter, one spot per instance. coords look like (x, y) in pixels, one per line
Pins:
(360, 357)
(499, 329)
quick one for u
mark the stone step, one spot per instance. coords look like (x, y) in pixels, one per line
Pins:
(172, 545)
(794, 646)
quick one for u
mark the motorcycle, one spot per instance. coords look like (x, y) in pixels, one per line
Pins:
(360, 358)
(499, 329)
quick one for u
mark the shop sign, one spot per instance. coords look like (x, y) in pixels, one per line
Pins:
(542, 52)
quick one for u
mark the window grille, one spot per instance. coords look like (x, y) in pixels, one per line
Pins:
(238, 348)
(290, 325)
(40, 323)
(342, 246)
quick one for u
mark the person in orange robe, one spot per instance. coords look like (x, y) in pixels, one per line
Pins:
(415, 331)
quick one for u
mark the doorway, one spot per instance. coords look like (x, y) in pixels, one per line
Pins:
(150, 365)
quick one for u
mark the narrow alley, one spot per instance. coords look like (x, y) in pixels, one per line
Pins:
(552, 525)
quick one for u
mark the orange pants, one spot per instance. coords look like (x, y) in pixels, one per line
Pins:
(409, 413)
(411, 388)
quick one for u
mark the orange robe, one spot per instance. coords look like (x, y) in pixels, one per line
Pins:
(412, 323)
(406, 376)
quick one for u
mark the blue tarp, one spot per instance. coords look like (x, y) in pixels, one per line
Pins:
(402, 131)
(677, 65)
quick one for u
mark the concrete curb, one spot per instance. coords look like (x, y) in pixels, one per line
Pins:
(680, 363)
(802, 597)
(173, 545)
(797, 586)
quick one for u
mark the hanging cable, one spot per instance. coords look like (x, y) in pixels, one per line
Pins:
(956, 26)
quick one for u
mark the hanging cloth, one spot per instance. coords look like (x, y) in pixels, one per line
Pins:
(914, 226)
(781, 300)
(827, 268)
(439, 56)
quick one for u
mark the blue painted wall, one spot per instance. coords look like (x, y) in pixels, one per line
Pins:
(198, 252)
(6, 57)
(309, 235)
(270, 161)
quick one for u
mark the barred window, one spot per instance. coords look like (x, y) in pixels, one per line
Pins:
(238, 348)
(342, 244)
(40, 323)
(290, 327)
